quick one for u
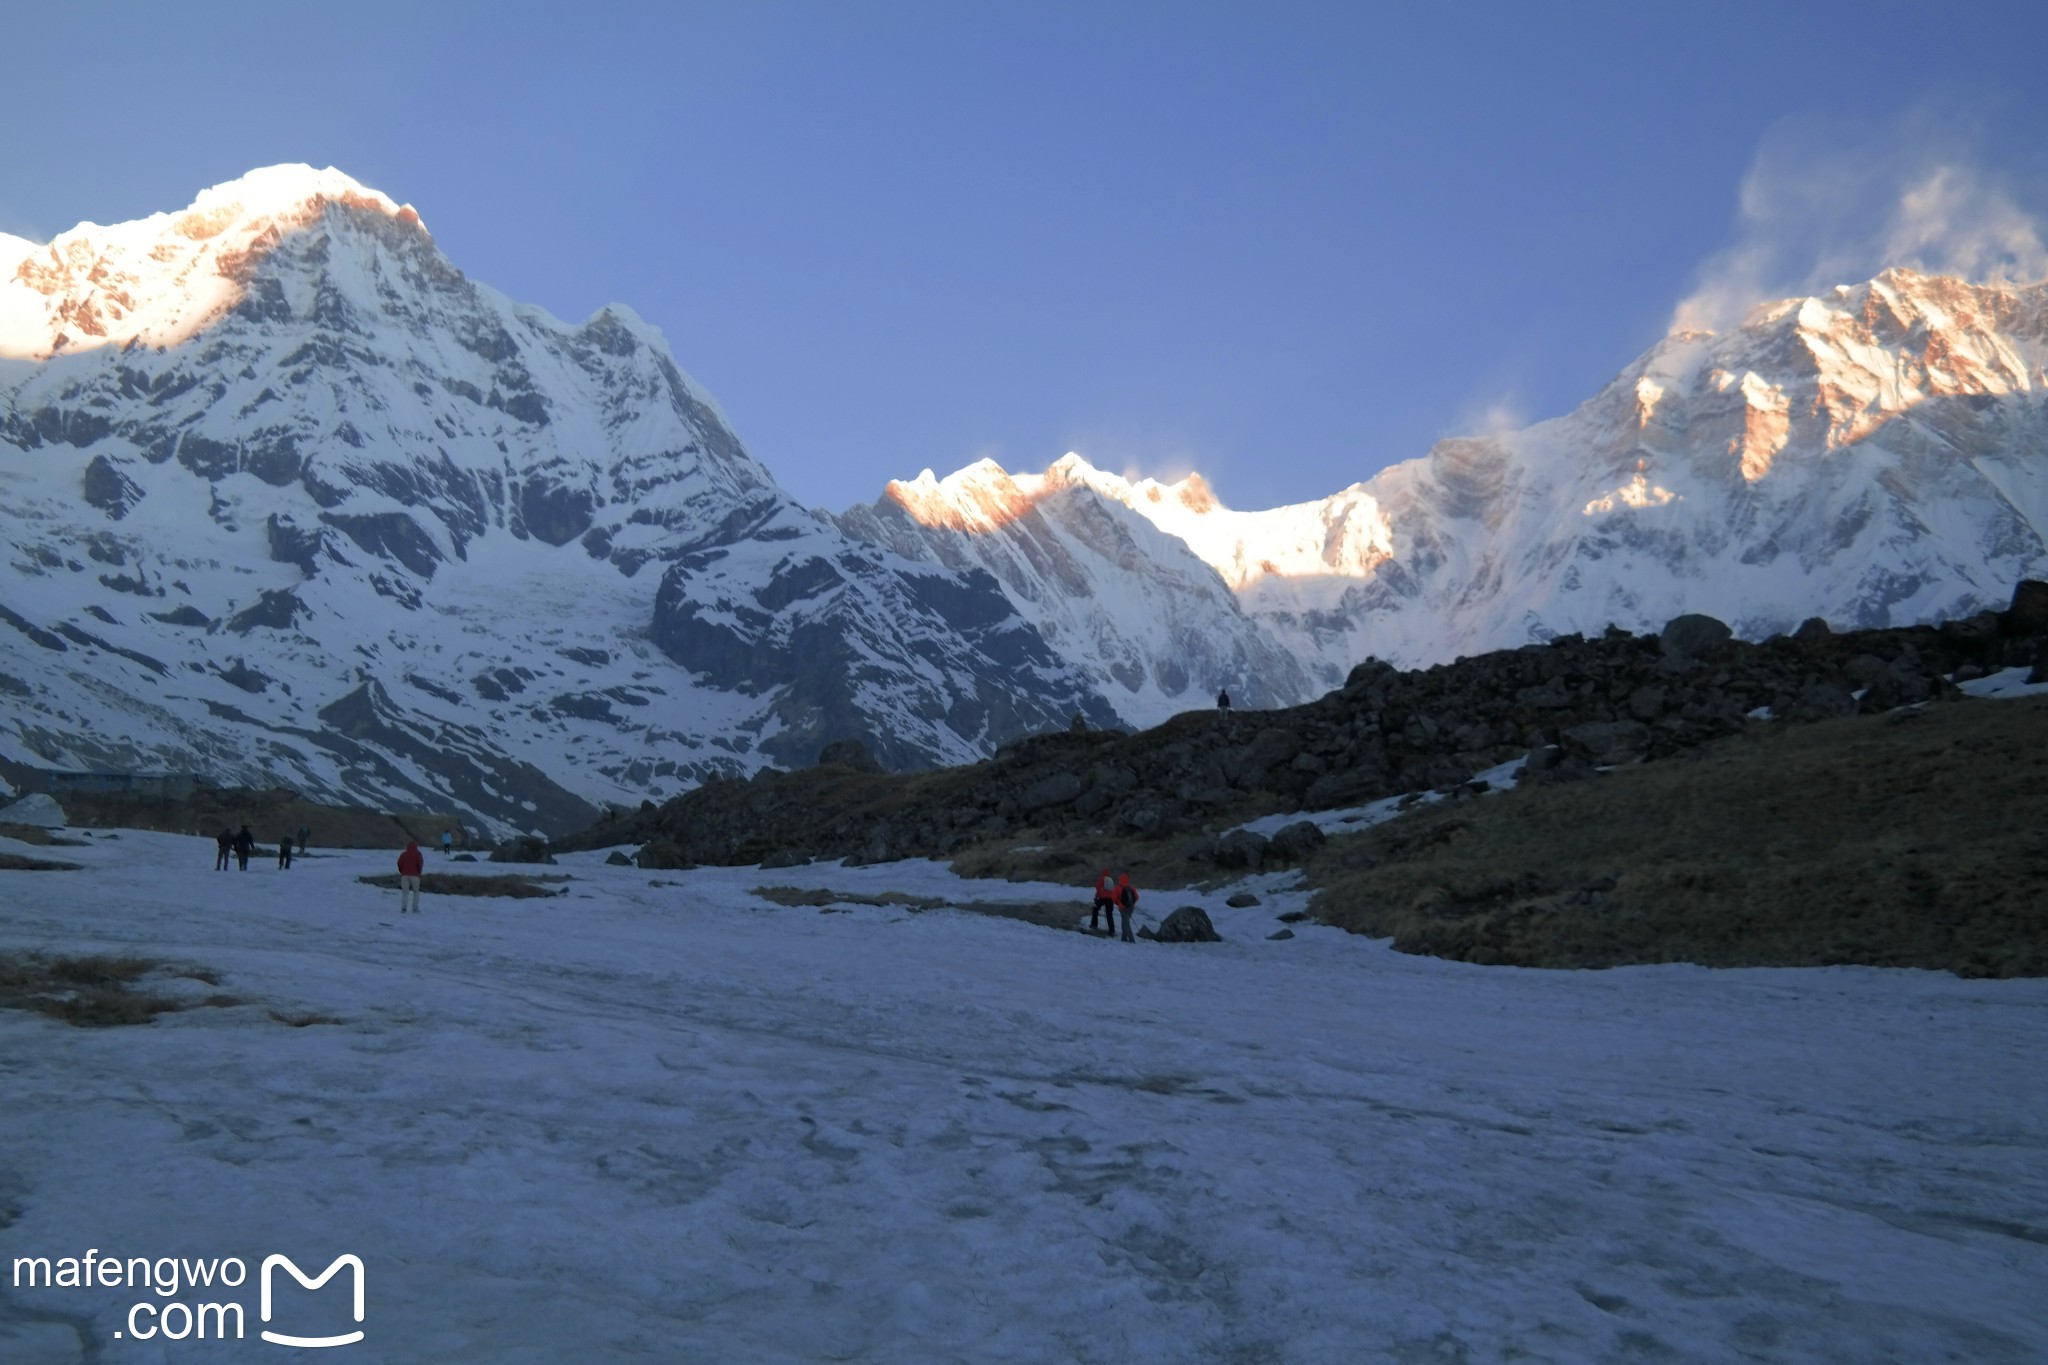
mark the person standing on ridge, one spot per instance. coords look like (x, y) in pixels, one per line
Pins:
(410, 864)
(245, 844)
(1127, 901)
(1105, 903)
(1223, 699)
(284, 851)
(224, 844)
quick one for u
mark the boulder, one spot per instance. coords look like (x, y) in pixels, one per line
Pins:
(618, 859)
(1693, 636)
(849, 753)
(1823, 700)
(36, 808)
(1813, 628)
(2028, 614)
(1646, 703)
(1055, 790)
(1241, 848)
(1243, 900)
(1188, 924)
(1609, 742)
(1281, 933)
(1292, 843)
(663, 855)
(523, 848)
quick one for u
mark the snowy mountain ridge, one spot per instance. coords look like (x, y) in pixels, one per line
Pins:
(288, 498)
(1875, 456)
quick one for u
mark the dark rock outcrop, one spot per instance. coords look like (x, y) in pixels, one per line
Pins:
(1188, 924)
(1573, 706)
(524, 848)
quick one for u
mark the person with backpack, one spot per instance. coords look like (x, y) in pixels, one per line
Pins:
(1105, 903)
(245, 844)
(1126, 901)
(410, 864)
(284, 852)
(1223, 699)
(224, 844)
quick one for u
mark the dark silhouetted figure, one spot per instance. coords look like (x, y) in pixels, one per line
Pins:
(1223, 701)
(284, 851)
(245, 844)
(224, 843)
(304, 835)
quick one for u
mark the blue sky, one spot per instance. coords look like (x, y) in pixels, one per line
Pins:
(1282, 244)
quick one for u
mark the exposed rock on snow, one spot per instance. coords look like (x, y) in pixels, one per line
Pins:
(1188, 924)
(37, 808)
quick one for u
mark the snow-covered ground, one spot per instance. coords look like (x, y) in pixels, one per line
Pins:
(659, 1118)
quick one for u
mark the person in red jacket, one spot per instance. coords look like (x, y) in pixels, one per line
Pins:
(1105, 903)
(1126, 901)
(410, 864)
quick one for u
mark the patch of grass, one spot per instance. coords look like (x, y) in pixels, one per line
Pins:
(515, 885)
(15, 862)
(95, 991)
(819, 896)
(1869, 840)
(1050, 914)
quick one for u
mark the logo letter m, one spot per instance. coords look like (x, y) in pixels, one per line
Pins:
(273, 1261)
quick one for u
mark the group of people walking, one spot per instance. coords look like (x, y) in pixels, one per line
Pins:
(239, 845)
(1113, 894)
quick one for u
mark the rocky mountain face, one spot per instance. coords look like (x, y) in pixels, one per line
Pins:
(1572, 705)
(1127, 600)
(1874, 456)
(289, 499)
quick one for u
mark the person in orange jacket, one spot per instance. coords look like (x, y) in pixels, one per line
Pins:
(1105, 903)
(410, 864)
(1126, 901)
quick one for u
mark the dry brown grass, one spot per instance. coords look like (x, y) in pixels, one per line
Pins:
(515, 885)
(15, 862)
(1915, 839)
(1152, 863)
(97, 991)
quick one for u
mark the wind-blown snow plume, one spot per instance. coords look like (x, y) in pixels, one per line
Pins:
(1820, 207)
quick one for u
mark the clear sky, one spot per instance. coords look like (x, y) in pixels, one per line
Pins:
(1283, 244)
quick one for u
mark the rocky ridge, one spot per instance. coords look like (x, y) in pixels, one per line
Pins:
(1574, 704)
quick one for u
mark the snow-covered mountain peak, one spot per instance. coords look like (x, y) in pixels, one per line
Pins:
(158, 280)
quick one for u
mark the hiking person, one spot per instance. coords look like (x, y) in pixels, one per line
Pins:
(410, 864)
(1126, 901)
(245, 844)
(447, 844)
(224, 844)
(304, 835)
(1223, 699)
(1105, 903)
(284, 851)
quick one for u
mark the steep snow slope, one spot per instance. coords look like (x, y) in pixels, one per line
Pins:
(287, 498)
(1876, 456)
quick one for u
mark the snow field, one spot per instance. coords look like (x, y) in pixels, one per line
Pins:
(677, 1122)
